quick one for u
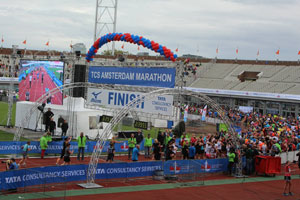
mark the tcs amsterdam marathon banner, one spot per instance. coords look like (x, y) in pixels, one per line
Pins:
(58, 174)
(138, 76)
(55, 147)
(161, 104)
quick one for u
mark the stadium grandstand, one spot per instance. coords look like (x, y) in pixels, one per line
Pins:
(267, 86)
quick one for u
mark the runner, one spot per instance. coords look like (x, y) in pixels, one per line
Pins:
(110, 153)
(67, 155)
(62, 154)
(287, 178)
(42, 77)
(30, 79)
(25, 148)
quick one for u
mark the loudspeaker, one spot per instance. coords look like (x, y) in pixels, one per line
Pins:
(79, 76)
(77, 53)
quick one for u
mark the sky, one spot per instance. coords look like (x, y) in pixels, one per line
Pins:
(196, 27)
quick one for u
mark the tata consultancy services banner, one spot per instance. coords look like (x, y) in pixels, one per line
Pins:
(154, 77)
(161, 104)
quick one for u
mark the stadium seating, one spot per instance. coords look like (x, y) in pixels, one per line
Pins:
(272, 78)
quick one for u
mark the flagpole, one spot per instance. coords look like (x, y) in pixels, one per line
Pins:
(277, 53)
(1, 42)
(25, 47)
(237, 52)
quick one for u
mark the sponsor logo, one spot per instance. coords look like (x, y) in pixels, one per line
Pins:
(95, 99)
(175, 168)
(206, 167)
(124, 146)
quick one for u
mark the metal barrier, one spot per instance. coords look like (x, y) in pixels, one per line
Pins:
(288, 156)
(189, 171)
(44, 183)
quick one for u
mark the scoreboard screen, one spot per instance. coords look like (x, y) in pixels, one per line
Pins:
(140, 124)
(105, 118)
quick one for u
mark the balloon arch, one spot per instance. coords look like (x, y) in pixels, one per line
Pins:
(134, 39)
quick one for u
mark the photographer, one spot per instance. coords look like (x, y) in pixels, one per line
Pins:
(47, 116)
(11, 164)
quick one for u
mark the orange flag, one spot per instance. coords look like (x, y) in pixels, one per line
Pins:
(277, 52)
(217, 50)
(176, 50)
(47, 44)
(122, 46)
(299, 53)
(24, 42)
(2, 40)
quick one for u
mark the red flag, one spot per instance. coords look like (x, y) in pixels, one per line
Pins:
(24, 42)
(176, 50)
(122, 46)
(2, 40)
(277, 52)
(257, 52)
(237, 51)
(299, 53)
(47, 44)
(217, 50)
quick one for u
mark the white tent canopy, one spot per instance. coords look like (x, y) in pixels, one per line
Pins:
(83, 118)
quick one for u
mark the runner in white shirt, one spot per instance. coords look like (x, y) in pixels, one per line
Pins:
(30, 79)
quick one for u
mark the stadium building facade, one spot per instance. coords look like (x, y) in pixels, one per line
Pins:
(267, 86)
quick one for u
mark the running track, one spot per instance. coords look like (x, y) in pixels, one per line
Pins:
(215, 187)
(38, 88)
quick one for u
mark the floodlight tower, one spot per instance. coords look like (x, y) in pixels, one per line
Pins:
(106, 19)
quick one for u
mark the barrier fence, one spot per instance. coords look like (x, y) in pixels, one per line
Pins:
(288, 156)
(25, 178)
(55, 147)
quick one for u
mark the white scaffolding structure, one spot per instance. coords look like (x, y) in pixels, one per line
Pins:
(106, 19)
(12, 69)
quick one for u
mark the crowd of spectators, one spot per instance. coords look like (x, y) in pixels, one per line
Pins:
(261, 135)
(5, 69)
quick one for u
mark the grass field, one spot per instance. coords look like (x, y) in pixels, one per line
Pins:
(3, 113)
(5, 136)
